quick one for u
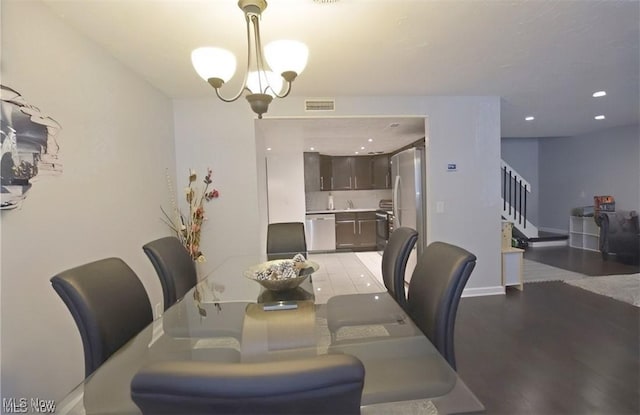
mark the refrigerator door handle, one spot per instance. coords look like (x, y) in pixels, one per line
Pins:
(396, 191)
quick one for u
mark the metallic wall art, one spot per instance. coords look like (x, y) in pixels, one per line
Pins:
(29, 146)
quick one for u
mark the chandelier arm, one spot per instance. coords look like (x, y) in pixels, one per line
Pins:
(260, 66)
(235, 98)
(243, 88)
(285, 92)
(258, 49)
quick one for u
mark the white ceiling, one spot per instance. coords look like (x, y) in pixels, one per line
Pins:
(344, 136)
(544, 58)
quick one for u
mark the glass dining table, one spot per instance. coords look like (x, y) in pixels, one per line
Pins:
(228, 317)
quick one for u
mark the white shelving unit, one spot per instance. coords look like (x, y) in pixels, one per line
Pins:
(512, 267)
(584, 233)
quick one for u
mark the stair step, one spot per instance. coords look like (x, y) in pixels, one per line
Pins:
(548, 239)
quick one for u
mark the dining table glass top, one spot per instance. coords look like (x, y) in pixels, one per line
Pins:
(229, 317)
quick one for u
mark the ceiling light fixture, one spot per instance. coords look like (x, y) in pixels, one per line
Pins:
(529, 118)
(370, 140)
(599, 117)
(285, 57)
(599, 94)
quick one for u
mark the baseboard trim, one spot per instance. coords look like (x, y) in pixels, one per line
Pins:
(480, 292)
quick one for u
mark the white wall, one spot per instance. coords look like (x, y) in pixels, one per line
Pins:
(464, 130)
(210, 133)
(116, 143)
(574, 169)
(285, 181)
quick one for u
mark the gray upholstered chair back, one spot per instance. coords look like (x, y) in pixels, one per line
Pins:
(285, 239)
(108, 303)
(436, 285)
(174, 267)
(325, 384)
(394, 262)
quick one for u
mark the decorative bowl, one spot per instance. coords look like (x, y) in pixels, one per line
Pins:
(281, 274)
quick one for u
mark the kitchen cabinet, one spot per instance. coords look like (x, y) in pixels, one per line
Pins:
(366, 224)
(326, 172)
(361, 169)
(346, 230)
(312, 180)
(381, 172)
(317, 172)
(351, 173)
(341, 173)
(356, 230)
(323, 173)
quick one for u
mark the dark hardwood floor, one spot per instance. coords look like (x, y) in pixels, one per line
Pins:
(580, 260)
(551, 349)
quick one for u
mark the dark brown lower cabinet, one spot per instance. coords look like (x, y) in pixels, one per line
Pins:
(356, 230)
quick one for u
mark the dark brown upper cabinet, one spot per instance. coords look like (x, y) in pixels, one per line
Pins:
(322, 172)
(381, 172)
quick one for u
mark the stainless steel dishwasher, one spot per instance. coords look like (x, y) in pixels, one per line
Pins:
(320, 232)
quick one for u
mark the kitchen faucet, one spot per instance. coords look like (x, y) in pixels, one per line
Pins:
(350, 203)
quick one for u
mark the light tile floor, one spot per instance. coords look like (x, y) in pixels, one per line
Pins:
(344, 273)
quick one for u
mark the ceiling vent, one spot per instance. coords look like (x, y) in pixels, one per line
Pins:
(320, 105)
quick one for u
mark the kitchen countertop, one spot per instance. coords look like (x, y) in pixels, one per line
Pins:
(325, 211)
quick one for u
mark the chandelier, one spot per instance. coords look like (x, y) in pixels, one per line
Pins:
(286, 60)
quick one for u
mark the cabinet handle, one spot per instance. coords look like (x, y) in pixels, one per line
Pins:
(321, 183)
(349, 182)
(331, 182)
(354, 227)
(356, 180)
(386, 180)
(359, 227)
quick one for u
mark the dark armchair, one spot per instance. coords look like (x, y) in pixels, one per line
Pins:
(619, 235)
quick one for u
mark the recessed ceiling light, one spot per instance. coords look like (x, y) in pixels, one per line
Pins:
(370, 140)
(356, 152)
(311, 148)
(599, 94)
(599, 117)
(268, 148)
(530, 118)
(362, 148)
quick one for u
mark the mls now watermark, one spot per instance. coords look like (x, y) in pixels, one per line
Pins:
(28, 405)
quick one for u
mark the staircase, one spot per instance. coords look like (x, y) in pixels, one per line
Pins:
(515, 192)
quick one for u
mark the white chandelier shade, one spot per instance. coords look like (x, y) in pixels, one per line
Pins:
(286, 56)
(212, 62)
(286, 60)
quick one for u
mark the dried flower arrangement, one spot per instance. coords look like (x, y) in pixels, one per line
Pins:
(188, 227)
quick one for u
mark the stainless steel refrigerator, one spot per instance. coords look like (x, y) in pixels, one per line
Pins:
(409, 198)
